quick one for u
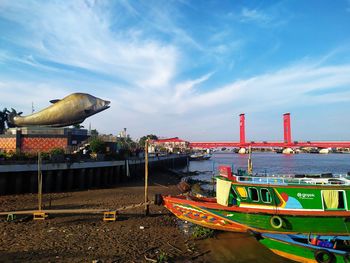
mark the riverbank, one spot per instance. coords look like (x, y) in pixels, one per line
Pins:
(84, 238)
(132, 238)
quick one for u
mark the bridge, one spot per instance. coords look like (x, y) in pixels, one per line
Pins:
(287, 143)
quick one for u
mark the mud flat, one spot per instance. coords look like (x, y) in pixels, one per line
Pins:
(84, 238)
(132, 238)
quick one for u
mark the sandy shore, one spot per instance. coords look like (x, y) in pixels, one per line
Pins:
(132, 238)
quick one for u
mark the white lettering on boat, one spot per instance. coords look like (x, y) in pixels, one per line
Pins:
(305, 196)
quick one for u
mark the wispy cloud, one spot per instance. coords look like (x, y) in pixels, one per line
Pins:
(28, 92)
(254, 15)
(140, 109)
(285, 86)
(186, 90)
(79, 34)
(289, 87)
(147, 61)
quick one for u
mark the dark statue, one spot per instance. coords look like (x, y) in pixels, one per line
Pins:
(3, 120)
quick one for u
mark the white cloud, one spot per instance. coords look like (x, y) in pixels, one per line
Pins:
(79, 34)
(20, 95)
(185, 89)
(254, 15)
(185, 109)
(150, 95)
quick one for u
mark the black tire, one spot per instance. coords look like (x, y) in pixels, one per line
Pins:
(158, 199)
(276, 222)
(324, 256)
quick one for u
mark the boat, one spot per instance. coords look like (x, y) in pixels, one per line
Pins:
(305, 248)
(200, 156)
(276, 204)
(206, 156)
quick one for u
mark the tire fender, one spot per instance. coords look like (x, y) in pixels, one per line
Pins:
(324, 256)
(276, 222)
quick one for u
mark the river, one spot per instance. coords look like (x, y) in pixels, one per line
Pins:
(273, 163)
(240, 247)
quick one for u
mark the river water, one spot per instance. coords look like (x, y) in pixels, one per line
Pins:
(240, 247)
(273, 163)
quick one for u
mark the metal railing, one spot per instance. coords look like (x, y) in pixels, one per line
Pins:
(293, 181)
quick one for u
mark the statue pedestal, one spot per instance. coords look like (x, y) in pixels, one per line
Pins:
(44, 139)
(38, 130)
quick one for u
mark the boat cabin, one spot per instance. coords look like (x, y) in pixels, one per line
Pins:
(285, 193)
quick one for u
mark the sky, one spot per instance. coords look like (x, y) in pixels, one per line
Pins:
(184, 68)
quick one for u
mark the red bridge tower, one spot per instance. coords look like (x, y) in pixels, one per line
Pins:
(287, 130)
(242, 128)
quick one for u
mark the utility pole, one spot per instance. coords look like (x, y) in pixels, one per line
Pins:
(250, 163)
(146, 178)
(40, 183)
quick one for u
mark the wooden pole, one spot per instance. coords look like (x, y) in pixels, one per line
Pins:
(146, 178)
(40, 183)
(250, 163)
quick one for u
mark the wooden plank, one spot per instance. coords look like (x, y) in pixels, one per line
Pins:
(75, 211)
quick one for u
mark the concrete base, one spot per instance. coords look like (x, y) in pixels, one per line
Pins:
(242, 151)
(324, 151)
(288, 151)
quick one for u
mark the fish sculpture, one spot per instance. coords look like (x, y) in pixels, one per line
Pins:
(73, 109)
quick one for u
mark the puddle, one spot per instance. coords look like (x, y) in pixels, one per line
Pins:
(237, 247)
(231, 247)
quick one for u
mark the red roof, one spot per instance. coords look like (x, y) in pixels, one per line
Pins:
(175, 139)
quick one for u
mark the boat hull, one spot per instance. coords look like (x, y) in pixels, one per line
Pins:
(207, 213)
(285, 247)
(201, 217)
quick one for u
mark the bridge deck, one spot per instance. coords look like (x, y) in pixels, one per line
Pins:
(295, 144)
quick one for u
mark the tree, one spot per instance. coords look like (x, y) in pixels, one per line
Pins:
(77, 126)
(126, 144)
(97, 145)
(94, 133)
(143, 139)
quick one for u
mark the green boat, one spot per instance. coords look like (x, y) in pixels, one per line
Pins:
(301, 248)
(284, 205)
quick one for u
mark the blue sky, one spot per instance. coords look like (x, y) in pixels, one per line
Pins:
(184, 68)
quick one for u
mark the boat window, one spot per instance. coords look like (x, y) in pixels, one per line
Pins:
(341, 204)
(334, 200)
(242, 192)
(265, 195)
(253, 194)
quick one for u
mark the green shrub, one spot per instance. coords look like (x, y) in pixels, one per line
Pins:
(163, 257)
(45, 156)
(2, 155)
(16, 156)
(31, 156)
(97, 145)
(57, 151)
(200, 232)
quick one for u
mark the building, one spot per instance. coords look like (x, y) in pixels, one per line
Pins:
(172, 144)
(41, 139)
(122, 134)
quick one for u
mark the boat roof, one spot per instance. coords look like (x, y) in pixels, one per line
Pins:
(288, 180)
